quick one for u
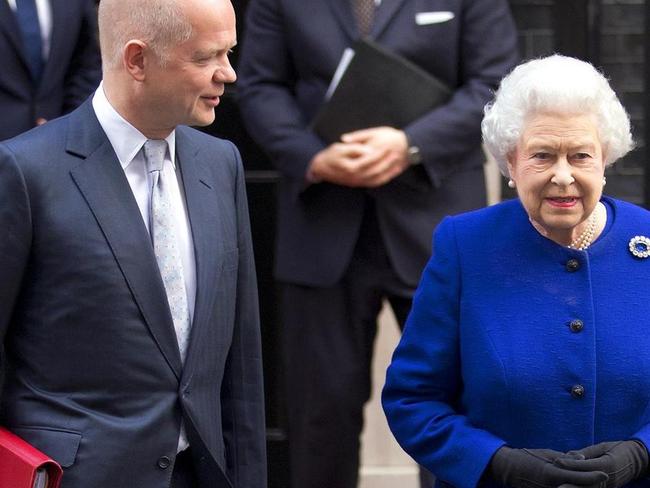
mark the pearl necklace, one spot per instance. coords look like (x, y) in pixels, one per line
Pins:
(583, 241)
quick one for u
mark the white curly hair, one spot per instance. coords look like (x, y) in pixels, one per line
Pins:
(555, 84)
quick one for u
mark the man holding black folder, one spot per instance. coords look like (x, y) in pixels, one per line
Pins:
(356, 216)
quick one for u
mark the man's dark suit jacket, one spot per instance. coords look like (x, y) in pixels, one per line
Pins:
(71, 73)
(289, 54)
(93, 372)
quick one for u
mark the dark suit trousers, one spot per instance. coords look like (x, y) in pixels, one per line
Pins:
(328, 343)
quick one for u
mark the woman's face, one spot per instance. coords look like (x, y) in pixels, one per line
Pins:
(558, 167)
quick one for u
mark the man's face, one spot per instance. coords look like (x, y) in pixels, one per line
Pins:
(187, 89)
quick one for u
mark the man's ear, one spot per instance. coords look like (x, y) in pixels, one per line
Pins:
(134, 59)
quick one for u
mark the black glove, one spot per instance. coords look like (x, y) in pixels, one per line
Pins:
(535, 468)
(623, 461)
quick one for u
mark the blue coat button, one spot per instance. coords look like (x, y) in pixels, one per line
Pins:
(576, 325)
(577, 391)
(572, 265)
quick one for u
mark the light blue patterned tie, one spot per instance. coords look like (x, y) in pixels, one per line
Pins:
(165, 244)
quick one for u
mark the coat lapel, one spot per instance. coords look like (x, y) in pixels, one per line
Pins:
(101, 180)
(205, 224)
(386, 11)
(9, 26)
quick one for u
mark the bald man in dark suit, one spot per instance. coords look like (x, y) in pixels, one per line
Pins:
(128, 297)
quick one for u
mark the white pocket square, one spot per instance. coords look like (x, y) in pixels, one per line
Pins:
(426, 18)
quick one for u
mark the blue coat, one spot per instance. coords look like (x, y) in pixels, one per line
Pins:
(488, 355)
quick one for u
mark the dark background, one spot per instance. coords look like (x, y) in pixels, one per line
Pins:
(608, 33)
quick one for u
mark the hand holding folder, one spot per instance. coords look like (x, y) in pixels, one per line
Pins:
(378, 88)
(24, 466)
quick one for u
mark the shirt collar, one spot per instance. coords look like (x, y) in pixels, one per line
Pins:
(125, 139)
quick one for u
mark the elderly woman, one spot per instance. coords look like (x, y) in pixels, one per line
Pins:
(525, 360)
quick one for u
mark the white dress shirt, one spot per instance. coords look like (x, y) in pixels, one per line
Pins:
(127, 142)
(44, 11)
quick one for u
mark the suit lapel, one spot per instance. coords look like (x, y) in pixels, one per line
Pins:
(386, 11)
(101, 180)
(343, 12)
(200, 198)
(9, 26)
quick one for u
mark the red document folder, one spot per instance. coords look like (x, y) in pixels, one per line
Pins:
(24, 466)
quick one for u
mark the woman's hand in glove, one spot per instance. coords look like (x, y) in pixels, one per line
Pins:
(623, 461)
(535, 468)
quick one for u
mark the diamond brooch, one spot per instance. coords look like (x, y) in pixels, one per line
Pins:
(640, 246)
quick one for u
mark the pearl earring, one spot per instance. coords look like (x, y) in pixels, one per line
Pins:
(511, 183)
(604, 181)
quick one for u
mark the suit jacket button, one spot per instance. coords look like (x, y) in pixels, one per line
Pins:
(577, 391)
(576, 325)
(572, 265)
(164, 462)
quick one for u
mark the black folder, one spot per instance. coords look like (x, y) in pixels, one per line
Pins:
(378, 88)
